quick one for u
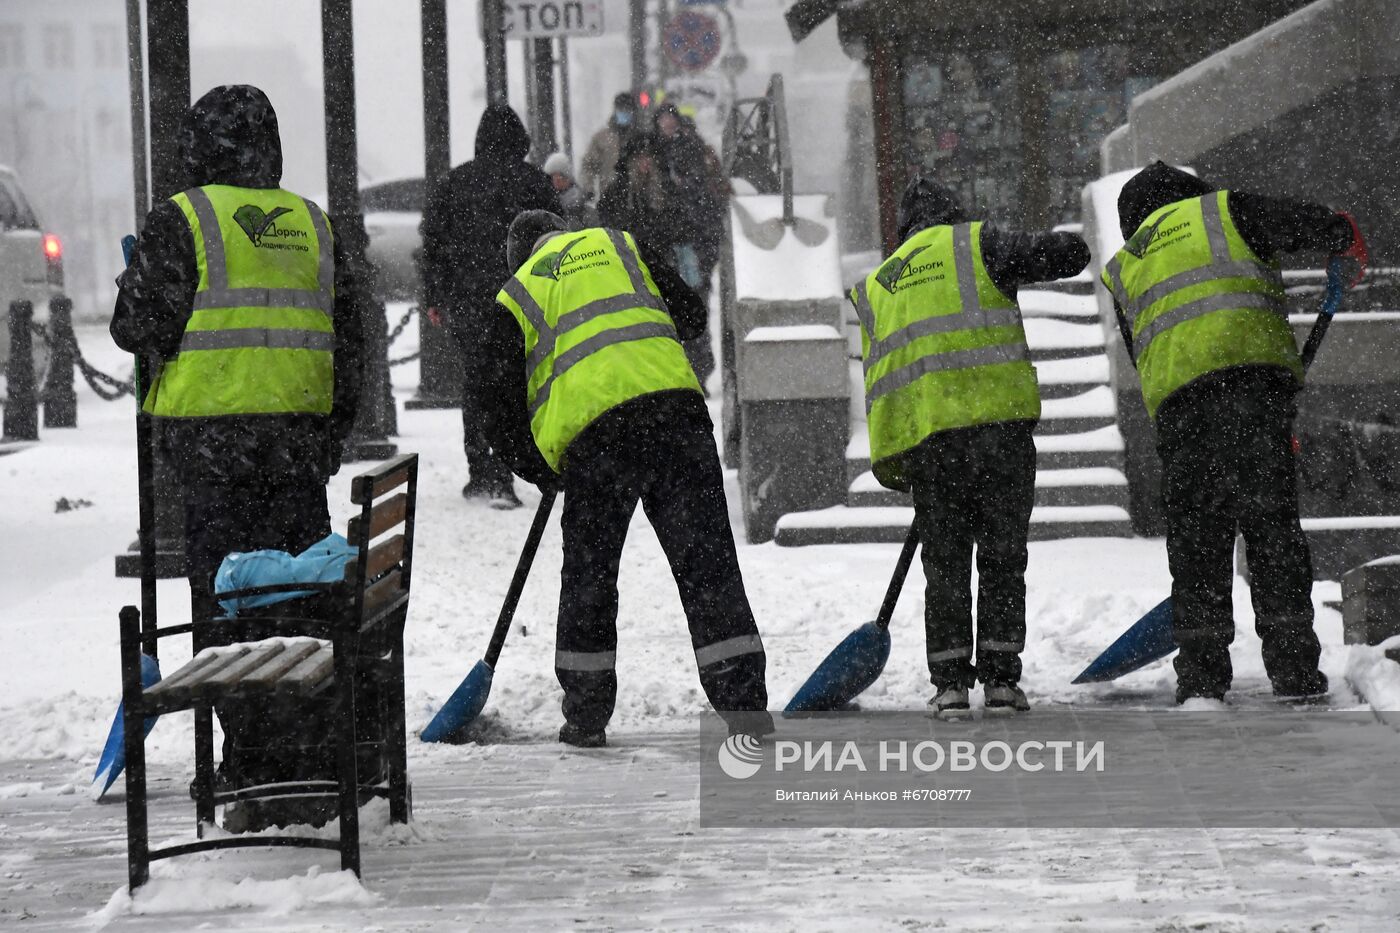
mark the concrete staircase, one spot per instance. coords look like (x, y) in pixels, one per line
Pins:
(1081, 490)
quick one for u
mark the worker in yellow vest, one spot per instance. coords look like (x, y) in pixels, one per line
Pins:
(1199, 299)
(597, 399)
(952, 400)
(240, 291)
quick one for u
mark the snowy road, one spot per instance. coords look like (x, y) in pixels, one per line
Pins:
(522, 835)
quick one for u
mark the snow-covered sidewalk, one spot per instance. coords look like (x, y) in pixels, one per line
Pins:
(522, 834)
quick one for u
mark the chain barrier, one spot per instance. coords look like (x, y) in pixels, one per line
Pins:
(109, 388)
(95, 378)
(399, 327)
(398, 330)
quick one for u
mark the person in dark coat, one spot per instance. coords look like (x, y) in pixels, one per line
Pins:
(656, 445)
(1225, 439)
(249, 481)
(697, 195)
(964, 449)
(635, 198)
(464, 263)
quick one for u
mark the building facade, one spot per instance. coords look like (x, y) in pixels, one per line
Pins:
(65, 127)
(1007, 104)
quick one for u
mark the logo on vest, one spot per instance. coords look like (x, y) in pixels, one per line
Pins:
(262, 229)
(566, 262)
(901, 272)
(1138, 243)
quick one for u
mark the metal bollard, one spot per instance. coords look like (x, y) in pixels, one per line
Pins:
(60, 401)
(22, 409)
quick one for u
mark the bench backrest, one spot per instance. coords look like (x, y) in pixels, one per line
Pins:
(378, 578)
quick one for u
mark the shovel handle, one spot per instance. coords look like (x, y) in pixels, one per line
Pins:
(901, 570)
(517, 582)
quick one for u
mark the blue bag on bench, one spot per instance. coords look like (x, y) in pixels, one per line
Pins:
(322, 562)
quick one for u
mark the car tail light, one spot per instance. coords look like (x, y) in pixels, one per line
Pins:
(53, 256)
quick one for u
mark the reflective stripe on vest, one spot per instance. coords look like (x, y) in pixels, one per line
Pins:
(1193, 268)
(260, 338)
(537, 295)
(944, 348)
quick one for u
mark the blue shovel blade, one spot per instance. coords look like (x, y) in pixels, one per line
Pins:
(113, 760)
(1150, 639)
(852, 666)
(465, 704)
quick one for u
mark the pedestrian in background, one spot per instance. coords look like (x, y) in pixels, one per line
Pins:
(575, 203)
(696, 195)
(952, 400)
(600, 158)
(242, 292)
(464, 263)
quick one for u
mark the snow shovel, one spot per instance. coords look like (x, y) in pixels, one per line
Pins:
(1150, 638)
(113, 760)
(857, 662)
(469, 699)
(766, 236)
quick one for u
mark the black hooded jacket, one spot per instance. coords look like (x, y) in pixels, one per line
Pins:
(1268, 225)
(230, 137)
(468, 214)
(1012, 259)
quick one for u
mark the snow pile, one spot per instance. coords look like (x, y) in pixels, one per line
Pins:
(1376, 677)
(180, 888)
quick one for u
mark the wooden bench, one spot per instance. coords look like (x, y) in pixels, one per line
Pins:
(335, 644)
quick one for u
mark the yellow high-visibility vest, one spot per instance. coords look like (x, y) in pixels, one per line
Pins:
(261, 338)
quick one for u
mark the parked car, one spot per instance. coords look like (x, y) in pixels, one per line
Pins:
(31, 265)
(393, 210)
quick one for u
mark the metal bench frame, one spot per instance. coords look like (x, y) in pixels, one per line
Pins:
(371, 602)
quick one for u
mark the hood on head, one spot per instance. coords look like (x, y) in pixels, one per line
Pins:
(926, 203)
(1156, 186)
(230, 137)
(500, 136)
(526, 230)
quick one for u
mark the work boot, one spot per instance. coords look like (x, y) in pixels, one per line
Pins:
(503, 497)
(1309, 687)
(475, 490)
(1004, 698)
(578, 737)
(951, 704)
(757, 723)
(1187, 691)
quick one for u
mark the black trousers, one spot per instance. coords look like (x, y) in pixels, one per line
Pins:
(1228, 463)
(974, 489)
(262, 742)
(485, 467)
(659, 450)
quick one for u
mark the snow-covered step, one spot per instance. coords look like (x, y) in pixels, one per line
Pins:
(1051, 339)
(846, 525)
(1060, 378)
(1038, 302)
(1099, 447)
(1076, 414)
(1077, 487)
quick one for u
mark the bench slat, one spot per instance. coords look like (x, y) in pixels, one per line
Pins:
(382, 517)
(218, 659)
(180, 677)
(382, 592)
(309, 672)
(267, 675)
(234, 673)
(386, 476)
